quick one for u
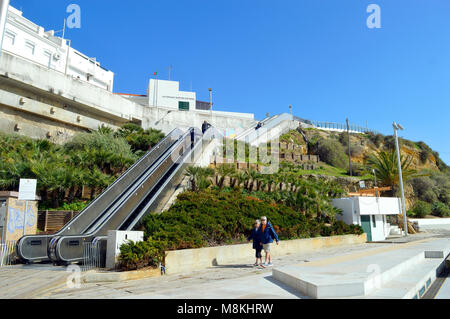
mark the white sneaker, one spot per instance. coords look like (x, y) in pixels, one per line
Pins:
(269, 264)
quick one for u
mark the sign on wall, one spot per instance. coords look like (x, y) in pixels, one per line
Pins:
(27, 189)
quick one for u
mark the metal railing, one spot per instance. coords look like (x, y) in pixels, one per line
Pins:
(92, 257)
(342, 127)
(8, 254)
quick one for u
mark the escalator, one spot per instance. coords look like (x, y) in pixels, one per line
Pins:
(141, 189)
(255, 135)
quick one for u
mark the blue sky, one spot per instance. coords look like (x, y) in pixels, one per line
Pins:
(260, 56)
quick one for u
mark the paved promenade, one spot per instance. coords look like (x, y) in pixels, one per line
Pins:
(238, 280)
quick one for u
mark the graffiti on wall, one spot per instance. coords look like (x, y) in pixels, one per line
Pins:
(16, 218)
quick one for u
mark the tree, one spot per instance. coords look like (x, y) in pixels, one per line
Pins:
(386, 168)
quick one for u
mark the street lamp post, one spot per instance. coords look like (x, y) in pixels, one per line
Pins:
(210, 103)
(349, 149)
(375, 182)
(400, 175)
(375, 176)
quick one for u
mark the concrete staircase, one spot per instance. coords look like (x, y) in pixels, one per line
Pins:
(400, 271)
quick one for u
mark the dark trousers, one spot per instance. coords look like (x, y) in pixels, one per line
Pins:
(258, 253)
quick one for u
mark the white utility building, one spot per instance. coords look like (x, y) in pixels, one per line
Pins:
(370, 213)
(167, 93)
(30, 41)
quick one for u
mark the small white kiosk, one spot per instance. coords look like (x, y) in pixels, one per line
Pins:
(370, 213)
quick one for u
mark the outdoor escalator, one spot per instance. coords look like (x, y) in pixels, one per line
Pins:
(122, 205)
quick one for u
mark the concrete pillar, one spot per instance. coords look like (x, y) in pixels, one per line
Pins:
(16, 218)
(115, 239)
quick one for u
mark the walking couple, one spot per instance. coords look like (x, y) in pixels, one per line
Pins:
(263, 235)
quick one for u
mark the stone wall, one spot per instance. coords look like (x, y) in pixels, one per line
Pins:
(187, 260)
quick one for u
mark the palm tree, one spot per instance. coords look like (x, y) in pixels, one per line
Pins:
(386, 168)
(240, 177)
(222, 172)
(192, 172)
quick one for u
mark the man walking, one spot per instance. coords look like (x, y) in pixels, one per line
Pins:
(267, 235)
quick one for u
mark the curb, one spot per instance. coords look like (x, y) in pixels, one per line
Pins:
(95, 277)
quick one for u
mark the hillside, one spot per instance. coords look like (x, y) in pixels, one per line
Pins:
(427, 177)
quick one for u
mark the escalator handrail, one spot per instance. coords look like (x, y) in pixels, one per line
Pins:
(118, 180)
(139, 181)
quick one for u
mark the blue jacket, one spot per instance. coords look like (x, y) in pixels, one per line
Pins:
(255, 235)
(268, 235)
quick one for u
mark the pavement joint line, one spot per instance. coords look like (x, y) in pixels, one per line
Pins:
(357, 255)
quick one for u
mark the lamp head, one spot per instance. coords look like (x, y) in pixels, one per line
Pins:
(397, 126)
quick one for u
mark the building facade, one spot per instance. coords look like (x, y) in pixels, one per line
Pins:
(369, 213)
(30, 41)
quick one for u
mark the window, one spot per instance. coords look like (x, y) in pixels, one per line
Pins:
(10, 37)
(183, 106)
(29, 47)
(374, 221)
(48, 58)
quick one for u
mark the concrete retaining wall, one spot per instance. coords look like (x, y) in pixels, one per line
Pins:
(430, 221)
(187, 260)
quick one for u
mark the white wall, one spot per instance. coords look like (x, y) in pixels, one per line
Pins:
(117, 238)
(377, 205)
(93, 98)
(378, 229)
(167, 94)
(349, 214)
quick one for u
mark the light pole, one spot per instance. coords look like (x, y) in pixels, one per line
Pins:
(290, 109)
(400, 175)
(349, 149)
(375, 177)
(210, 102)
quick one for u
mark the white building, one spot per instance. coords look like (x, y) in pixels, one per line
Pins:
(30, 41)
(370, 213)
(50, 90)
(167, 94)
(166, 107)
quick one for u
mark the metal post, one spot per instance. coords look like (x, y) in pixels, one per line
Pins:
(210, 103)
(375, 177)
(349, 151)
(4, 5)
(400, 176)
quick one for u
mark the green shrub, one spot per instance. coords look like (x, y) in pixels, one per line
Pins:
(421, 209)
(139, 139)
(356, 150)
(358, 169)
(424, 188)
(214, 217)
(376, 139)
(441, 210)
(136, 255)
(332, 152)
